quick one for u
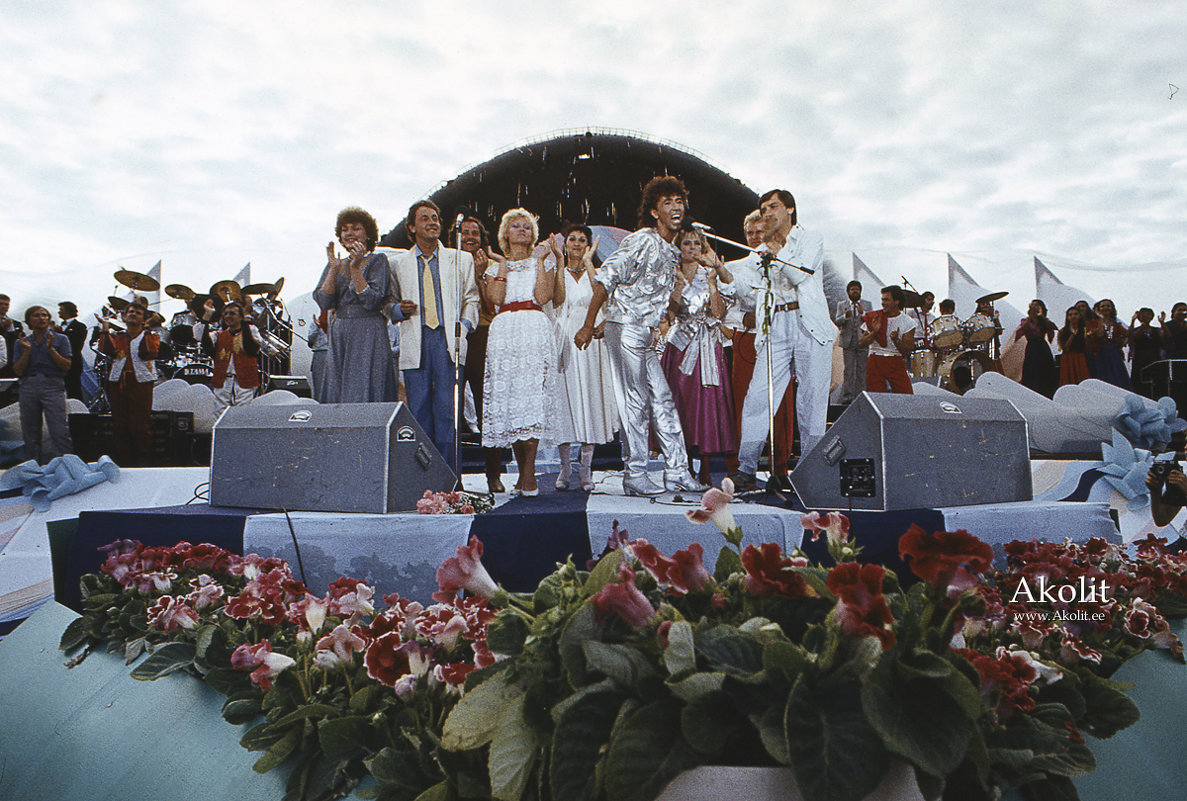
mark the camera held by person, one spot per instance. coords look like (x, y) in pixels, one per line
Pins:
(1168, 491)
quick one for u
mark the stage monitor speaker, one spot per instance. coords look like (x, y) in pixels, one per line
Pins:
(890, 452)
(296, 384)
(342, 457)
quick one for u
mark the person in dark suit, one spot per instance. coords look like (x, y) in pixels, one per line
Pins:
(76, 332)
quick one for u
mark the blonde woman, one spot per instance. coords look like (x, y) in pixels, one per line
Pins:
(520, 352)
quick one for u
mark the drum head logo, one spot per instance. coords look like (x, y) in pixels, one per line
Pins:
(300, 416)
(949, 408)
(405, 434)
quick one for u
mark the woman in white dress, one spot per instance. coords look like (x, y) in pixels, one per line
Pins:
(586, 411)
(520, 352)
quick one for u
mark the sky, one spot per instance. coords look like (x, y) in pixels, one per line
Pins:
(212, 134)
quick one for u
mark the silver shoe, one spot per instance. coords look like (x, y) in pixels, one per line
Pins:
(643, 485)
(684, 483)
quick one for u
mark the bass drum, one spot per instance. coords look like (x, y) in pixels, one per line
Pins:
(195, 373)
(959, 372)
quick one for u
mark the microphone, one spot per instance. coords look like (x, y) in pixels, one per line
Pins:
(700, 226)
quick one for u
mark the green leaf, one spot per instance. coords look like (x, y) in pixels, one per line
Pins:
(75, 635)
(257, 738)
(343, 737)
(476, 716)
(507, 633)
(582, 626)
(626, 665)
(917, 719)
(696, 685)
(580, 734)
(604, 572)
(133, 649)
(647, 752)
(1109, 709)
(165, 660)
(306, 711)
(243, 710)
(438, 792)
(512, 755)
(365, 699)
(835, 752)
(680, 655)
(728, 563)
(278, 752)
(709, 722)
(399, 771)
(770, 731)
(730, 650)
(785, 658)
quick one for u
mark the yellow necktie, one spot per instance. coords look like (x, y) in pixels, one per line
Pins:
(430, 296)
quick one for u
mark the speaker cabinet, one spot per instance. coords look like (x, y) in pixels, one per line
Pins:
(889, 452)
(344, 457)
(296, 384)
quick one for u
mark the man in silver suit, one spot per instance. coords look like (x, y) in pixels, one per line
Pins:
(638, 280)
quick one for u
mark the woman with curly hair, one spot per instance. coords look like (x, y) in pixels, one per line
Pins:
(520, 352)
(358, 365)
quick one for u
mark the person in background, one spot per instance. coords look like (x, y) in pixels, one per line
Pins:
(11, 330)
(133, 352)
(1145, 348)
(1038, 364)
(235, 349)
(890, 335)
(1174, 332)
(1164, 511)
(319, 343)
(473, 239)
(1105, 338)
(848, 316)
(41, 361)
(1073, 365)
(76, 332)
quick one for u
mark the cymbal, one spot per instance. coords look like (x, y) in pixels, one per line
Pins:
(119, 304)
(226, 291)
(259, 289)
(279, 285)
(179, 292)
(991, 297)
(911, 300)
(137, 281)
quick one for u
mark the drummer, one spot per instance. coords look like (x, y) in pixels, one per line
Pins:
(924, 317)
(985, 307)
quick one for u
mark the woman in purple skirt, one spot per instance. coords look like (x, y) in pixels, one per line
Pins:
(693, 359)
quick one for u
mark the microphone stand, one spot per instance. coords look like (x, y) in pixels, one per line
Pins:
(766, 259)
(457, 355)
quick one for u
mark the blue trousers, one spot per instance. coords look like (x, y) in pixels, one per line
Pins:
(429, 390)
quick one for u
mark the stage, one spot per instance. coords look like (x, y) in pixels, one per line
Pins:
(44, 553)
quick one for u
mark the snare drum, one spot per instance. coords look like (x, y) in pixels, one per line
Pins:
(980, 329)
(923, 363)
(946, 332)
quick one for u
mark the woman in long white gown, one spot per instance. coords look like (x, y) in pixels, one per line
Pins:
(520, 375)
(586, 411)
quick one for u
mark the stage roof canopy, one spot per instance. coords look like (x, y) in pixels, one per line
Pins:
(589, 175)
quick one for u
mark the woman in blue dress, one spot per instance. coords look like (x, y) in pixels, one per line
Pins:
(359, 359)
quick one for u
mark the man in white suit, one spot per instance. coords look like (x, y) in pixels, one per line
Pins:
(436, 305)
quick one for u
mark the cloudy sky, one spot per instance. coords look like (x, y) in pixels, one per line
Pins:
(210, 134)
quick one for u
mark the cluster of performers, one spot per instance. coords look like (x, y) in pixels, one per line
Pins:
(633, 344)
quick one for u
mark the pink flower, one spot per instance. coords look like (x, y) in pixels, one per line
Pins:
(465, 572)
(624, 599)
(405, 686)
(264, 664)
(834, 524)
(715, 507)
(170, 613)
(206, 592)
(442, 624)
(264, 601)
(862, 610)
(452, 675)
(351, 599)
(341, 644)
(309, 613)
(389, 658)
(684, 571)
(1074, 650)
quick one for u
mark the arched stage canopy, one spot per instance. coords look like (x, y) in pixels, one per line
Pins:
(593, 176)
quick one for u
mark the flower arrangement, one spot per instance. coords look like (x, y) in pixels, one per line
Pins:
(458, 502)
(608, 682)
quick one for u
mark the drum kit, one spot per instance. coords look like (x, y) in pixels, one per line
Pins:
(181, 353)
(955, 352)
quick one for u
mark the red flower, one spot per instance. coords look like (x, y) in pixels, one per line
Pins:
(945, 556)
(267, 665)
(624, 599)
(465, 572)
(170, 613)
(769, 572)
(389, 658)
(862, 610)
(685, 571)
(265, 601)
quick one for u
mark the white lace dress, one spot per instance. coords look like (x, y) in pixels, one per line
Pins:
(520, 378)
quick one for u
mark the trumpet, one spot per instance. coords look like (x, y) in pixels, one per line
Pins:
(273, 346)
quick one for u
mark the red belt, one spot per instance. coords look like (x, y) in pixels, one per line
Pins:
(520, 305)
